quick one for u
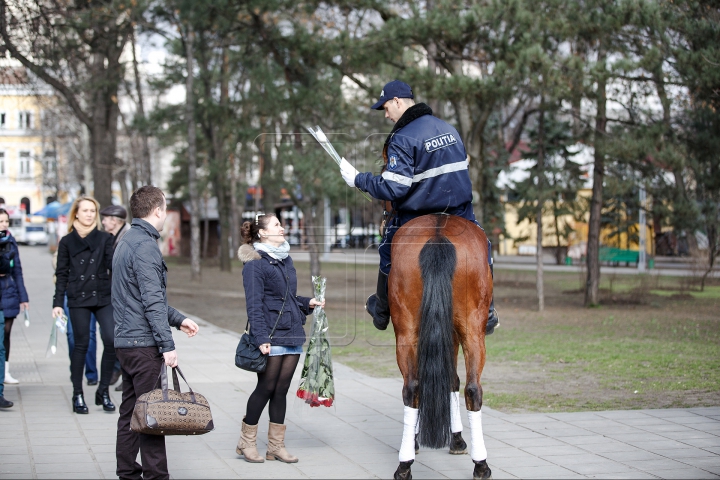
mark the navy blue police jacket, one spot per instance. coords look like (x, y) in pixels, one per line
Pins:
(427, 168)
(266, 280)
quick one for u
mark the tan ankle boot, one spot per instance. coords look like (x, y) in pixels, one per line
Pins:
(247, 445)
(276, 444)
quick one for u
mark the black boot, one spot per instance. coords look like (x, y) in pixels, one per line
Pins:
(102, 397)
(79, 405)
(493, 319)
(5, 403)
(377, 304)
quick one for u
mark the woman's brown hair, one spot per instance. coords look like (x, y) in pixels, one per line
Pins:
(250, 231)
(76, 206)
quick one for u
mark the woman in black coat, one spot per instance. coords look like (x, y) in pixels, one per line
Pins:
(83, 272)
(276, 315)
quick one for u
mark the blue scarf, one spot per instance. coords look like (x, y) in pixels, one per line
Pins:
(280, 253)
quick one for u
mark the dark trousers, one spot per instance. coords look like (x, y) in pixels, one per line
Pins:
(80, 319)
(140, 371)
(91, 372)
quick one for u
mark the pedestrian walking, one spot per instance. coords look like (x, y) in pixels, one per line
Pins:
(113, 220)
(276, 315)
(12, 286)
(83, 272)
(143, 338)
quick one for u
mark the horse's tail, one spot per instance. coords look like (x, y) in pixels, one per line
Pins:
(436, 369)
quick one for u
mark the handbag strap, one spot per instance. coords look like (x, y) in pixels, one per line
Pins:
(287, 288)
(163, 379)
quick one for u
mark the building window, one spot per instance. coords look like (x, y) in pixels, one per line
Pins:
(25, 121)
(2, 164)
(2, 120)
(25, 164)
(50, 163)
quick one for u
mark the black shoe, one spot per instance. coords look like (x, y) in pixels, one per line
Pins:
(493, 320)
(5, 403)
(102, 397)
(115, 376)
(119, 387)
(377, 305)
(92, 383)
(79, 405)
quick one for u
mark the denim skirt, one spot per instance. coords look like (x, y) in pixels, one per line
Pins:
(277, 350)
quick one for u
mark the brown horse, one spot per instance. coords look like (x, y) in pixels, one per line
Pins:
(439, 292)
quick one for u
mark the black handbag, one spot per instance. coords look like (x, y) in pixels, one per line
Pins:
(247, 355)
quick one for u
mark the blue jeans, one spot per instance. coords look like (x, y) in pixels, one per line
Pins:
(2, 353)
(91, 372)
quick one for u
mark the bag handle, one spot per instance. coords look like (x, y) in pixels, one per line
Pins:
(287, 288)
(163, 379)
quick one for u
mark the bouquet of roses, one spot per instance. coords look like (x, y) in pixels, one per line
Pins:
(317, 386)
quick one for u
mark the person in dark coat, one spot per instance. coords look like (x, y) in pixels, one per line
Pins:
(12, 286)
(114, 221)
(83, 269)
(276, 315)
(143, 339)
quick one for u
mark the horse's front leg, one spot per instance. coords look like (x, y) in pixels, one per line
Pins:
(407, 361)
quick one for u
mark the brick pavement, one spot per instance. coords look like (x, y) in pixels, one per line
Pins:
(359, 438)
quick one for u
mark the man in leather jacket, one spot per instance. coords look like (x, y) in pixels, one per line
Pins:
(143, 338)
(426, 172)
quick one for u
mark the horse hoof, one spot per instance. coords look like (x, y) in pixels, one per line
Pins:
(481, 471)
(458, 445)
(403, 471)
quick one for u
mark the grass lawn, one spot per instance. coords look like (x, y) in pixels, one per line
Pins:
(653, 343)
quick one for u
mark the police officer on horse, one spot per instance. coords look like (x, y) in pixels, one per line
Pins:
(426, 171)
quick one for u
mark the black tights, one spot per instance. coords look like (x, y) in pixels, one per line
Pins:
(6, 340)
(80, 318)
(273, 385)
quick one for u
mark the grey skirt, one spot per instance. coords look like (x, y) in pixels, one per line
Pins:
(277, 350)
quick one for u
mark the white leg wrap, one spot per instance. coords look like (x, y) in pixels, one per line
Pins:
(407, 447)
(455, 422)
(478, 452)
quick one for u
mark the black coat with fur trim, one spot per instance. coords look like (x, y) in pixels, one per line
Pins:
(265, 280)
(83, 270)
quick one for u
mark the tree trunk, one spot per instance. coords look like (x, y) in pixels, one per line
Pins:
(592, 286)
(195, 274)
(103, 133)
(539, 214)
(313, 214)
(146, 163)
(234, 213)
(224, 219)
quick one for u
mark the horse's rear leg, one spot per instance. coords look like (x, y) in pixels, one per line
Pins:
(474, 349)
(407, 361)
(457, 443)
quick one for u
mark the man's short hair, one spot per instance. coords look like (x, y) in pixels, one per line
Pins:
(145, 200)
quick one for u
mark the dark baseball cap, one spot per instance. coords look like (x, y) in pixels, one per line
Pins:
(114, 211)
(393, 89)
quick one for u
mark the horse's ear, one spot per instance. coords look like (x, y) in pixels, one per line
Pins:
(247, 253)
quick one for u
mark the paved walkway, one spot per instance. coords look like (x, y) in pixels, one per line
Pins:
(359, 438)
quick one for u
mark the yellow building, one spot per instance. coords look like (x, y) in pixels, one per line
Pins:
(28, 159)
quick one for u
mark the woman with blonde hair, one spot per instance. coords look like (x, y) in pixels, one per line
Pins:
(83, 268)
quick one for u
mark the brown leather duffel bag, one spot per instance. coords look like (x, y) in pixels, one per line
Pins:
(170, 412)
